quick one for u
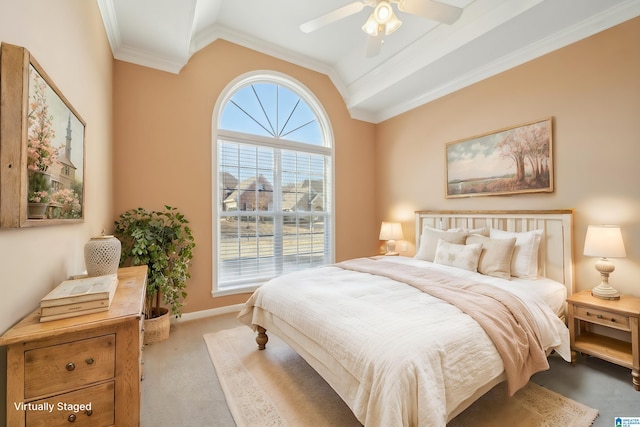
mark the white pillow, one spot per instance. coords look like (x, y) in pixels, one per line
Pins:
(429, 241)
(460, 256)
(482, 231)
(524, 262)
(495, 259)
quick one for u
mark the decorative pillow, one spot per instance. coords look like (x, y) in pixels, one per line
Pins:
(429, 241)
(456, 255)
(483, 231)
(524, 262)
(495, 259)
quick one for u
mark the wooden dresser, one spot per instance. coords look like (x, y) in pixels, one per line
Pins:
(84, 370)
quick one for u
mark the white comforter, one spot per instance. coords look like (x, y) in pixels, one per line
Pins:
(396, 355)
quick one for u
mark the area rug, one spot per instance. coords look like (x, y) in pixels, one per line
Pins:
(276, 387)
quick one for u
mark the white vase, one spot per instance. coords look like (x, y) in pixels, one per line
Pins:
(102, 255)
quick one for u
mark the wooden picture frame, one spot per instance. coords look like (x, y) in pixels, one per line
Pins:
(512, 160)
(42, 159)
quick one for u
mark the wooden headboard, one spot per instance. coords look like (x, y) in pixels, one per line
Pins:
(556, 249)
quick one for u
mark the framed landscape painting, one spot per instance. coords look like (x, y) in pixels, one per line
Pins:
(508, 161)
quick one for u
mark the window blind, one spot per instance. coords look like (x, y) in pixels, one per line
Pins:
(275, 219)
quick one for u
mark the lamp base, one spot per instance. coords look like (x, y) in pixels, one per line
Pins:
(391, 248)
(605, 291)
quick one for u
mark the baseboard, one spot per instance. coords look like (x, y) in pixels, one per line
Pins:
(207, 313)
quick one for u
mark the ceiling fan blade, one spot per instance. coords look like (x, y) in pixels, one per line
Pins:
(331, 17)
(431, 9)
(374, 44)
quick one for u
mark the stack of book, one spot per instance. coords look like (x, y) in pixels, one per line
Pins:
(77, 297)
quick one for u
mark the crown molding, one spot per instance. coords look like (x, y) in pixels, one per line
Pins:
(150, 60)
(110, 21)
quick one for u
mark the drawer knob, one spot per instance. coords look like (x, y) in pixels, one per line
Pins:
(90, 361)
(70, 366)
(600, 316)
(89, 412)
(71, 418)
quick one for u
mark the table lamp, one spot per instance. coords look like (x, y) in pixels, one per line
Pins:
(391, 231)
(604, 241)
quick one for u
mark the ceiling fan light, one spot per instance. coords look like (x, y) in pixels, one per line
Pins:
(371, 26)
(383, 12)
(393, 24)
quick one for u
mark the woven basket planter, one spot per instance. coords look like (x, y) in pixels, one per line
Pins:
(156, 329)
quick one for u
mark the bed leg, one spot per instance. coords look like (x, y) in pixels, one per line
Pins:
(262, 338)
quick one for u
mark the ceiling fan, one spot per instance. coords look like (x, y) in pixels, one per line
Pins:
(383, 21)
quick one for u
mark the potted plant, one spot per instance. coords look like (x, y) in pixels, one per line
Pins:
(38, 195)
(162, 240)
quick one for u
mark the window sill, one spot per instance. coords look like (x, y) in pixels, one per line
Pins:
(234, 290)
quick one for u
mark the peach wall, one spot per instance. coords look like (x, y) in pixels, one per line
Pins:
(68, 40)
(162, 125)
(592, 90)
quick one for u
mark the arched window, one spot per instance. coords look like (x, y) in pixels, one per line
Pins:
(273, 154)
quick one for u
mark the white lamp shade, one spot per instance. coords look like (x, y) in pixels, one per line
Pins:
(604, 241)
(371, 27)
(393, 24)
(391, 231)
(383, 12)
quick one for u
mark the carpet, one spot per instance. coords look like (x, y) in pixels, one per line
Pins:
(276, 387)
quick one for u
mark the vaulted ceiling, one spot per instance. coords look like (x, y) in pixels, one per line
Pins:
(422, 61)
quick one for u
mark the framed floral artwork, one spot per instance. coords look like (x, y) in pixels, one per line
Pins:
(41, 146)
(507, 161)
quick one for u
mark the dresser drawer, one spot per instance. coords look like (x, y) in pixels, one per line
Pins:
(601, 317)
(68, 365)
(90, 407)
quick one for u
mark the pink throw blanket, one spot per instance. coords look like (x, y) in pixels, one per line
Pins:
(502, 315)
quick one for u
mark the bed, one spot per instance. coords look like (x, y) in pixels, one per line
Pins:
(415, 341)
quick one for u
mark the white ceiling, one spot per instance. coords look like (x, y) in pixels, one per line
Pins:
(420, 62)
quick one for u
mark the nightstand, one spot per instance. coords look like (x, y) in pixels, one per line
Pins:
(589, 318)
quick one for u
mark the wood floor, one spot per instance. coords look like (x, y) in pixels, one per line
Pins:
(180, 387)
